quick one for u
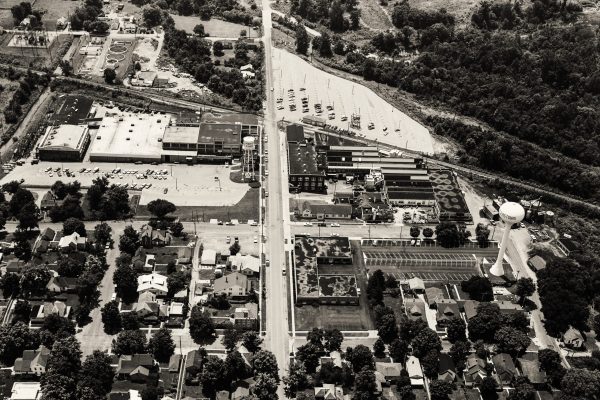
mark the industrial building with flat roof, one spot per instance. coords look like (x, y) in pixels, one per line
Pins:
(305, 168)
(207, 141)
(64, 143)
(248, 123)
(71, 110)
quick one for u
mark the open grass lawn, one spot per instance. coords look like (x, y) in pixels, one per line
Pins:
(245, 209)
(214, 27)
(344, 318)
(375, 16)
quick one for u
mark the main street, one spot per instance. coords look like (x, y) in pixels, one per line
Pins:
(277, 338)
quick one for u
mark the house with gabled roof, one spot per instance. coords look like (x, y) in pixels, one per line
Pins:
(530, 367)
(415, 373)
(62, 284)
(329, 391)
(72, 242)
(505, 368)
(475, 370)
(234, 285)
(32, 362)
(447, 309)
(573, 338)
(154, 282)
(136, 367)
(446, 368)
(389, 371)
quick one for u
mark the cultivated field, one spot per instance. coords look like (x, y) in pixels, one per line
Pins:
(214, 27)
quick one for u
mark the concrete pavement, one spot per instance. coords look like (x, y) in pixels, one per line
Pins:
(277, 338)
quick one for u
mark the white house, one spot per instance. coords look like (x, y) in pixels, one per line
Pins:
(247, 265)
(415, 373)
(209, 257)
(154, 282)
(72, 242)
(573, 338)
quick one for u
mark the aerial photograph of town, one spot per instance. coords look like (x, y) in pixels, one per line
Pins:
(300, 199)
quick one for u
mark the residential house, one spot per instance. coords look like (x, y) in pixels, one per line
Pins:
(193, 362)
(446, 368)
(246, 317)
(136, 368)
(72, 242)
(334, 358)
(415, 309)
(48, 308)
(144, 79)
(536, 263)
(142, 261)
(447, 309)
(49, 201)
(470, 308)
(530, 367)
(15, 266)
(416, 285)
(247, 265)
(326, 211)
(151, 237)
(505, 368)
(573, 338)
(415, 373)
(389, 371)
(240, 393)
(433, 294)
(329, 391)
(234, 285)
(32, 362)
(508, 307)
(147, 308)
(155, 283)
(40, 246)
(48, 234)
(62, 284)
(475, 370)
(209, 258)
(175, 363)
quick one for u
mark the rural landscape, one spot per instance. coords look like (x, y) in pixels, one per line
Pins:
(300, 199)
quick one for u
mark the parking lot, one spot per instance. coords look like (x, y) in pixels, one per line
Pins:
(396, 258)
(184, 185)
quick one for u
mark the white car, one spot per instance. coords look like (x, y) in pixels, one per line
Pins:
(308, 224)
(335, 225)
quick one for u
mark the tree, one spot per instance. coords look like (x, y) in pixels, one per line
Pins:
(97, 373)
(379, 348)
(161, 345)
(251, 341)
(459, 352)
(581, 383)
(185, 7)
(360, 357)
(315, 337)
(354, 19)
(131, 321)
(199, 30)
(375, 287)
(34, 281)
(231, 337)
(302, 39)
(264, 362)
(415, 231)
(427, 233)
(482, 233)
(109, 75)
(309, 355)
(152, 16)
(387, 328)
(103, 233)
(213, 376)
(440, 390)
(365, 384)
(411, 328)
(447, 234)
(485, 323)
(336, 17)
(488, 386)
(456, 330)
(296, 380)
(28, 216)
(235, 366)
(398, 350)
(235, 248)
(129, 241)
(218, 48)
(55, 327)
(479, 288)
(525, 288)
(66, 67)
(430, 363)
(23, 250)
(160, 208)
(391, 282)
(73, 225)
(512, 341)
(201, 326)
(10, 283)
(111, 317)
(549, 359)
(333, 339)
(150, 393)
(14, 339)
(65, 357)
(425, 341)
(265, 387)
(126, 280)
(325, 45)
(129, 342)
(176, 282)
(176, 229)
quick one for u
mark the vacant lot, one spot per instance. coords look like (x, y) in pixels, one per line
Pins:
(55, 9)
(344, 318)
(214, 27)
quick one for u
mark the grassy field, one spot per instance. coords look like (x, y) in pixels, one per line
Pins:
(55, 9)
(214, 27)
(375, 16)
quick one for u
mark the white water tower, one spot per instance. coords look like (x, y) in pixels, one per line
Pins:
(511, 213)
(248, 158)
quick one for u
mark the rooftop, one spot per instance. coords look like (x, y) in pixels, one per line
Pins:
(232, 118)
(181, 134)
(71, 110)
(228, 133)
(303, 160)
(129, 133)
(64, 136)
(295, 133)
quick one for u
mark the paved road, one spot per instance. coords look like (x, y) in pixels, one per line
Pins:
(277, 338)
